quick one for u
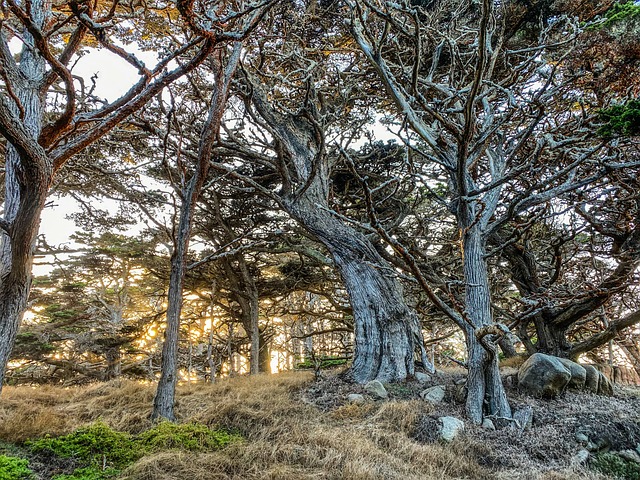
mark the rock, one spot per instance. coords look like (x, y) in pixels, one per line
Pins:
(543, 376)
(355, 398)
(450, 428)
(581, 457)
(523, 418)
(630, 455)
(422, 377)
(376, 389)
(592, 378)
(578, 373)
(487, 424)
(605, 387)
(433, 395)
(582, 438)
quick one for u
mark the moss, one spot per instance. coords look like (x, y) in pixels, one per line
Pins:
(615, 466)
(324, 362)
(101, 452)
(96, 445)
(619, 12)
(12, 468)
(188, 436)
(89, 473)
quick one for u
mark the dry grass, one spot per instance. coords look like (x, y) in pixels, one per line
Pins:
(286, 436)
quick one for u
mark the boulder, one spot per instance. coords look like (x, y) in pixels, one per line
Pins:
(592, 378)
(450, 428)
(376, 389)
(582, 438)
(605, 387)
(433, 395)
(422, 377)
(578, 373)
(355, 398)
(543, 376)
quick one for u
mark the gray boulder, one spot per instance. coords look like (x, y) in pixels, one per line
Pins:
(592, 378)
(543, 376)
(355, 398)
(433, 395)
(578, 373)
(450, 428)
(376, 389)
(422, 377)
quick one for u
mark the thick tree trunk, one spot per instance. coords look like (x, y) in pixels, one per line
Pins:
(387, 332)
(114, 363)
(27, 182)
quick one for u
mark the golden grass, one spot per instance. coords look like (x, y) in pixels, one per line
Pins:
(285, 437)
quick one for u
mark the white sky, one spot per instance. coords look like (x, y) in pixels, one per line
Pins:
(114, 78)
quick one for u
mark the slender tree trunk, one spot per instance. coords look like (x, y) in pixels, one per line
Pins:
(165, 395)
(483, 382)
(264, 354)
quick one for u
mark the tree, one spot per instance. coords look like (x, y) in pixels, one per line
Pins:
(293, 122)
(43, 134)
(497, 122)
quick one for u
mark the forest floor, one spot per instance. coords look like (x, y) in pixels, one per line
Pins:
(292, 427)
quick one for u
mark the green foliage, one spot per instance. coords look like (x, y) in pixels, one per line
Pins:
(325, 362)
(89, 473)
(103, 452)
(616, 466)
(621, 119)
(188, 436)
(95, 445)
(12, 468)
(620, 12)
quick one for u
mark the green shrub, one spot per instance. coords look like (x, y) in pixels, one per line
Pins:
(12, 468)
(94, 445)
(89, 473)
(620, 119)
(615, 466)
(187, 436)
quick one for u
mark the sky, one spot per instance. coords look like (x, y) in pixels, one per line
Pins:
(114, 78)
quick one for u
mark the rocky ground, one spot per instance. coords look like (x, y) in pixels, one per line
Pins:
(573, 429)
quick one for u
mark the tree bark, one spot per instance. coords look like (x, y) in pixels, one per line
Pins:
(483, 382)
(387, 332)
(27, 181)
